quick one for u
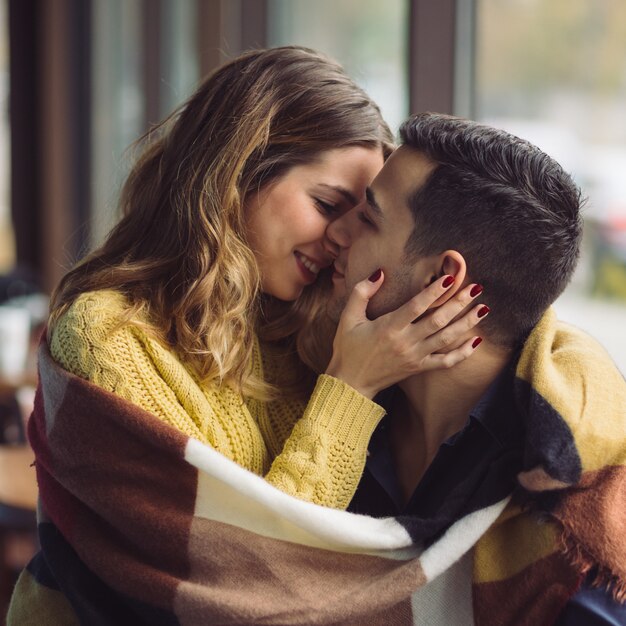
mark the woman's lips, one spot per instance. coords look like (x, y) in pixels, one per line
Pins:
(311, 264)
(306, 267)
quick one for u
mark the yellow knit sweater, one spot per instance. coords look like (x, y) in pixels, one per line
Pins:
(314, 452)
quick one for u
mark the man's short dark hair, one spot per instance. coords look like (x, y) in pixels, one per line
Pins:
(510, 209)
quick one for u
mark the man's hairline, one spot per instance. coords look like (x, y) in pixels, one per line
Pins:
(411, 195)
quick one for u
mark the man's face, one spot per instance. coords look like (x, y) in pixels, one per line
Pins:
(374, 234)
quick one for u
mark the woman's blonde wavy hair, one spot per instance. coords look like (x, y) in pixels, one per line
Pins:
(179, 252)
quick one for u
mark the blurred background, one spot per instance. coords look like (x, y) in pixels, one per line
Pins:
(80, 80)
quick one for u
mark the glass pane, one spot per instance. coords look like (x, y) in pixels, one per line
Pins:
(7, 242)
(370, 39)
(555, 73)
(181, 70)
(118, 87)
(118, 103)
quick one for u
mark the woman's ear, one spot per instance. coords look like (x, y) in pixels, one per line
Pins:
(451, 263)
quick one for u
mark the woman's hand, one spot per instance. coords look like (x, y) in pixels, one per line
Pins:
(370, 355)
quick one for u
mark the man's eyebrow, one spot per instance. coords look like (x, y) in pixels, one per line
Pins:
(371, 201)
(343, 191)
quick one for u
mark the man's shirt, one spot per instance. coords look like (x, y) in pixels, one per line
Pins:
(471, 467)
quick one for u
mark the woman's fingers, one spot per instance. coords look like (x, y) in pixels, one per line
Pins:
(414, 309)
(361, 294)
(453, 332)
(445, 361)
(420, 303)
(444, 314)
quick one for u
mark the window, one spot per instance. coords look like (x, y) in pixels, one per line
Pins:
(144, 64)
(555, 73)
(369, 38)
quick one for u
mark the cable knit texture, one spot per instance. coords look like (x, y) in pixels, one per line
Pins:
(315, 452)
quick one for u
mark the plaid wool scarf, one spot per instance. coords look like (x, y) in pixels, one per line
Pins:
(141, 524)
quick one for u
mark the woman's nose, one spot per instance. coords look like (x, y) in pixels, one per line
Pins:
(337, 234)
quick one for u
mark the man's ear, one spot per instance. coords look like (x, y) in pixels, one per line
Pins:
(451, 263)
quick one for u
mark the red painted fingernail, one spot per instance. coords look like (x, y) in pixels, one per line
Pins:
(477, 342)
(483, 311)
(447, 281)
(476, 290)
(376, 275)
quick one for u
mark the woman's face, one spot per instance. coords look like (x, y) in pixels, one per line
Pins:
(287, 220)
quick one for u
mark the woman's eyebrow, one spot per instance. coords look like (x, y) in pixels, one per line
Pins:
(343, 191)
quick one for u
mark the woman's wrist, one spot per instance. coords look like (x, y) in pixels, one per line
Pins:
(335, 371)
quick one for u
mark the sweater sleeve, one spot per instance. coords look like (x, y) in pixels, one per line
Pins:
(87, 342)
(323, 458)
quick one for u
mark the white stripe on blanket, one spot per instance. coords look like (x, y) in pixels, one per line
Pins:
(459, 538)
(230, 494)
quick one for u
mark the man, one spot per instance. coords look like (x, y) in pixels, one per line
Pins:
(535, 406)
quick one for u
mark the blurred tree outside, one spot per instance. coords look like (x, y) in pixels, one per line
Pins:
(534, 47)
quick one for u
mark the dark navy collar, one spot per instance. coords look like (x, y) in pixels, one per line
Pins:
(489, 410)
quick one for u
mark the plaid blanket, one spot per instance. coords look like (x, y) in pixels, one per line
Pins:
(142, 524)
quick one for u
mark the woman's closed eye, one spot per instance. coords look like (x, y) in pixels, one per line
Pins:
(326, 207)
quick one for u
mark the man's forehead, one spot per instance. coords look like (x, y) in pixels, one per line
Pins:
(407, 166)
(404, 172)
